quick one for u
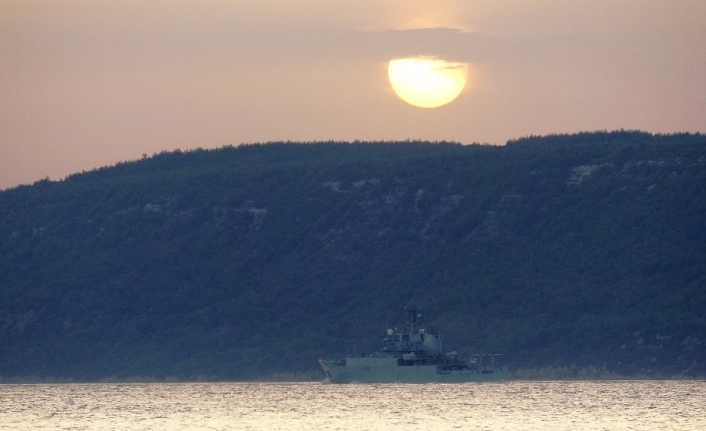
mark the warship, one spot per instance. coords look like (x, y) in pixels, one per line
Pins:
(413, 354)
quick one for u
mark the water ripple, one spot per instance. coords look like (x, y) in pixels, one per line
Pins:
(517, 406)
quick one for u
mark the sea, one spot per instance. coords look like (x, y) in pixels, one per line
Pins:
(513, 405)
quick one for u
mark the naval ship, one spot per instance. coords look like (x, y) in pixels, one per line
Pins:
(413, 354)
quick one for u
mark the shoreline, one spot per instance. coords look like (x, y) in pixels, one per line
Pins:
(562, 374)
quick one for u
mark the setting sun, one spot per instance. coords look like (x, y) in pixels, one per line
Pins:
(427, 82)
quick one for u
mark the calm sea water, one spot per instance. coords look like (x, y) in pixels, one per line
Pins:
(625, 405)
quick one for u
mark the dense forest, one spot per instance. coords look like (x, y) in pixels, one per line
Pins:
(572, 255)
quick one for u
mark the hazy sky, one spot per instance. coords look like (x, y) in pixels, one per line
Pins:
(87, 83)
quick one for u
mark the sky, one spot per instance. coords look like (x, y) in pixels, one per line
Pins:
(89, 83)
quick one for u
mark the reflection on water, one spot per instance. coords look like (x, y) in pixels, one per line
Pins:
(629, 405)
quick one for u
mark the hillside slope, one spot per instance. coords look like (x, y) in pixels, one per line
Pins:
(580, 251)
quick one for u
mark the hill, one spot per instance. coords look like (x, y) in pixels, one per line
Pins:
(572, 254)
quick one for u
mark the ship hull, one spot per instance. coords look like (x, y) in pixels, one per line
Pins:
(386, 370)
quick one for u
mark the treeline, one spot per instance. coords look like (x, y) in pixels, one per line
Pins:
(570, 252)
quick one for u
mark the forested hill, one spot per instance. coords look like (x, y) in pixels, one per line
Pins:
(583, 253)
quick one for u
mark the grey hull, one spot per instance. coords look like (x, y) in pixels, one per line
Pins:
(386, 370)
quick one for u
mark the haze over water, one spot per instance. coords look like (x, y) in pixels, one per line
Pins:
(623, 405)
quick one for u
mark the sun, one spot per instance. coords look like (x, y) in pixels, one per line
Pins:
(427, 82)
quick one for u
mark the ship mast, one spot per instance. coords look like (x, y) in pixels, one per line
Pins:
(414, 312)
